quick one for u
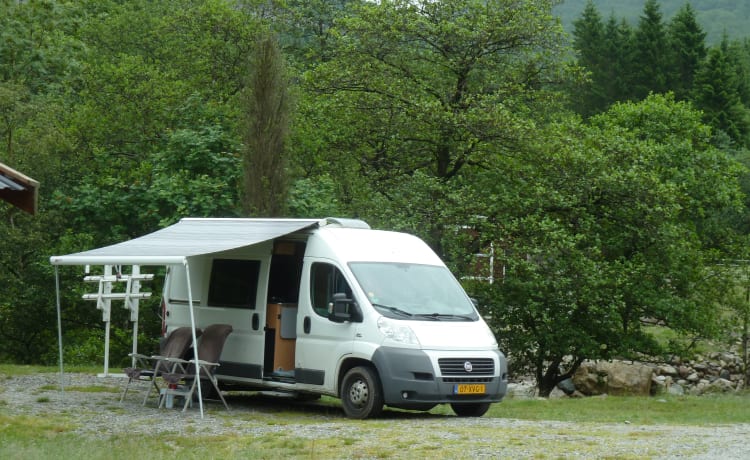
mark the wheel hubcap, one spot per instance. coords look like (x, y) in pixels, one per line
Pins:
(358, 393)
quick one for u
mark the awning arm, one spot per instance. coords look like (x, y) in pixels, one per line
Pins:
(195, 339)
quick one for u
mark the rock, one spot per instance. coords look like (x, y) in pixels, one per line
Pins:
(567, 386)
(676, 389)
(692, 377)
(666, 369)
(684, 371)
(719, 386)
(614, 378)
(521, 390)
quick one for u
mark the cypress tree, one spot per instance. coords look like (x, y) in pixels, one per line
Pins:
(266, 105)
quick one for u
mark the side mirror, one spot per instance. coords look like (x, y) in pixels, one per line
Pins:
(343, 309)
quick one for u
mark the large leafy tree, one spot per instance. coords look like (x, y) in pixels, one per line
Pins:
(174, 71)
(124, 112)
(610, 223)
(39, 51)
(415, 92)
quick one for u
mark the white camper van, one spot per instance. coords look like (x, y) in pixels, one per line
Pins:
(317, 307)
(371, 317)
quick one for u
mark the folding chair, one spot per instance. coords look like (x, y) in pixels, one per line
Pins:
(184, 371)
(148, 368)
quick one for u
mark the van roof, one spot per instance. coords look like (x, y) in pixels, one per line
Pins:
(353, 245)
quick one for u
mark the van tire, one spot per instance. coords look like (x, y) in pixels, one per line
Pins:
(361, 395)
(470, 410)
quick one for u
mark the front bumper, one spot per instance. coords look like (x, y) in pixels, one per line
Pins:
(414, 377)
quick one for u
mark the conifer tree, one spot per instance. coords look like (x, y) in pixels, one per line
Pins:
(687, 50)
(716, 93)
(588, 41)
(266, 102)
(651, 52)
(619, 73)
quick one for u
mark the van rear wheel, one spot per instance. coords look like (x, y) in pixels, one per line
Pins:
(470, 410)
(361, 395)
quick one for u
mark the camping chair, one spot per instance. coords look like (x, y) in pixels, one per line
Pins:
(148, 368)
(184, 371)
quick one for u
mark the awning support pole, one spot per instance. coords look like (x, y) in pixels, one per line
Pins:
(133, 304)
(59, 328)
(106, 309)
(195, 339)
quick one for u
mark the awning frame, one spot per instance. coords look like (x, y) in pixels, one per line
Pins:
(118, 255)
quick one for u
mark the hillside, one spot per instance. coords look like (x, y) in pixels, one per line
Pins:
(716, 16)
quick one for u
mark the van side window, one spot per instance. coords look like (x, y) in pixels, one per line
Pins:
(234, 283)
(326, 280)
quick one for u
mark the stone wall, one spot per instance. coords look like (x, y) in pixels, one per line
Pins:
(717, 372)
(714, 373)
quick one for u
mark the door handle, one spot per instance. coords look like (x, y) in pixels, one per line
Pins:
(306, 323)
(256, 321)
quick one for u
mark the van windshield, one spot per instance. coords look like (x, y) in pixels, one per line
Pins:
(414, 291)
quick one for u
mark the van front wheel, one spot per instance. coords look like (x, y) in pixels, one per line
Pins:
(361, 395)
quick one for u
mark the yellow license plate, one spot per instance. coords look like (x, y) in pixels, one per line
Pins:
(469, 389)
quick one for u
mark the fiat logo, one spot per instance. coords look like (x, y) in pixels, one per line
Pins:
(468, 367)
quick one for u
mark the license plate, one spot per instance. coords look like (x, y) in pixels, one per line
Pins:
(469, 389)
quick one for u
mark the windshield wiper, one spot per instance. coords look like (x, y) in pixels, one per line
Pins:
(393, 310)
(439, 316)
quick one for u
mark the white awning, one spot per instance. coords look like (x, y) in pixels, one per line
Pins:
(189, 237)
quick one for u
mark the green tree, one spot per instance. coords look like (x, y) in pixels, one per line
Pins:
(416, 91)
(265, 133)
(651, 52)
(125, 112)
(620, 73)
(687, 49)
(607, 224)
(716, 93)
(589, 43)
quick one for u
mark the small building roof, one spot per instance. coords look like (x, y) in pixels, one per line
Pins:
(18, 189)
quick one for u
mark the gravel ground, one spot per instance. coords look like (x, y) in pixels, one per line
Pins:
(100, 414)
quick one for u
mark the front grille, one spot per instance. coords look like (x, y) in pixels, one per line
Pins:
(456, 367)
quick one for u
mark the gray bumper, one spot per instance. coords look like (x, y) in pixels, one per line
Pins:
(408, 378)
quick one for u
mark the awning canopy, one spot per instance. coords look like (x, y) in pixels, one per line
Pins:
(189, 237)
(18, 189)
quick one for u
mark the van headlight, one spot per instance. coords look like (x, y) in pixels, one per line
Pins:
(397, 331)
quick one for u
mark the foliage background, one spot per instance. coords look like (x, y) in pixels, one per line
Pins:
(477, 125)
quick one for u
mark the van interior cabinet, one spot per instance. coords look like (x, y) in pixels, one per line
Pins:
(281, 323)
